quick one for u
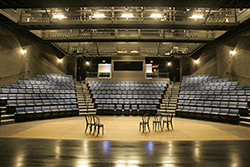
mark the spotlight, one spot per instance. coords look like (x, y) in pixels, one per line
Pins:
(169, 64)
(188, 9)
(196, 61)
(156, 15)
(196, 16)
(151, 61)
(67, 9)
(87, 63)
(127, 15)
(98, 16)
(103, 61)
(59, 60)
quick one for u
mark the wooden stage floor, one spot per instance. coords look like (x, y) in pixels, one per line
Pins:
(62, 142)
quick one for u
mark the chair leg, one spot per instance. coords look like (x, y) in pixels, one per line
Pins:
(98, 128)
(148, 128)
(172, 125)
(86, 128)
(103, 130)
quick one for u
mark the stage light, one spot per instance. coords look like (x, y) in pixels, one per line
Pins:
(87, 63)
(155, 15)
(169, 63)
(127, 15)
(98, 16)
(196, 61)
(196, 16)
(232, 52)
(59, 60)
(103, 61)
(188, 9)
(59, 16)
(151, 61)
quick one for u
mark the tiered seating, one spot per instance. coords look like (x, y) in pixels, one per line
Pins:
(211, 98)
(50, 95)
(127, 97)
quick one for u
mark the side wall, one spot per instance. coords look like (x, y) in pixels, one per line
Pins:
(216, 60)
(39, 59)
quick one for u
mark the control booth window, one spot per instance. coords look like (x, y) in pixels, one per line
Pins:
(128, 66)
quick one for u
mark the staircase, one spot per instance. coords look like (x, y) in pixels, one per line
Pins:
(245, 120)
(5, 117)
(85, 104)
(169, 101)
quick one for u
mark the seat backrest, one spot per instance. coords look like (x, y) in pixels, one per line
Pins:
(145, 118)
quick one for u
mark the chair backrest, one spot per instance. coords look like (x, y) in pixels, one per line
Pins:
(145, 118)
(96, 120)
(88, 119)
(157, 117)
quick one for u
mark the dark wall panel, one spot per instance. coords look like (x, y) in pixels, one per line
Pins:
(217, 60)
(39, 59)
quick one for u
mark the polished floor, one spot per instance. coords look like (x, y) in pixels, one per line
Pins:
(61, 142)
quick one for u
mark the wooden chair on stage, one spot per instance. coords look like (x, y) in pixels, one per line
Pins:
(145, 122)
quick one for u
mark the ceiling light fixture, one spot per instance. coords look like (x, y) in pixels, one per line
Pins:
(127, 15)
(98, 16)
(169, 64)
(87, 63)
(59, 16)
(188, 9)
(196, 16)
(155, 15)
(59, 60)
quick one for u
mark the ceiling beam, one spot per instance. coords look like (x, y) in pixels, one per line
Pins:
(131, 25)
(152, 3)
(129, 40)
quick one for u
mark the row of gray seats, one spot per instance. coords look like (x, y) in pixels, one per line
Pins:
(36, 86)
(215, 97)
(41, 112)
(126, 109)
(208, 113)
(129, 96)
(15, 90)
(14, 103)
(34, 82)
(36, 96)
(127, 101)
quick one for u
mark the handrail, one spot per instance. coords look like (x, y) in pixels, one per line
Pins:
(21, 73)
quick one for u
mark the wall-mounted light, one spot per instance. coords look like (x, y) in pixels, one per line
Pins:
(169, 63)
(232, 52)
(59, 60)
(23, 51)
(87, 63)
(196, 61)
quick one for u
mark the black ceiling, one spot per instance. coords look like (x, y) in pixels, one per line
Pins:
(101, 3)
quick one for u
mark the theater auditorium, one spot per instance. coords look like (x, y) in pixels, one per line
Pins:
(124, 83)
